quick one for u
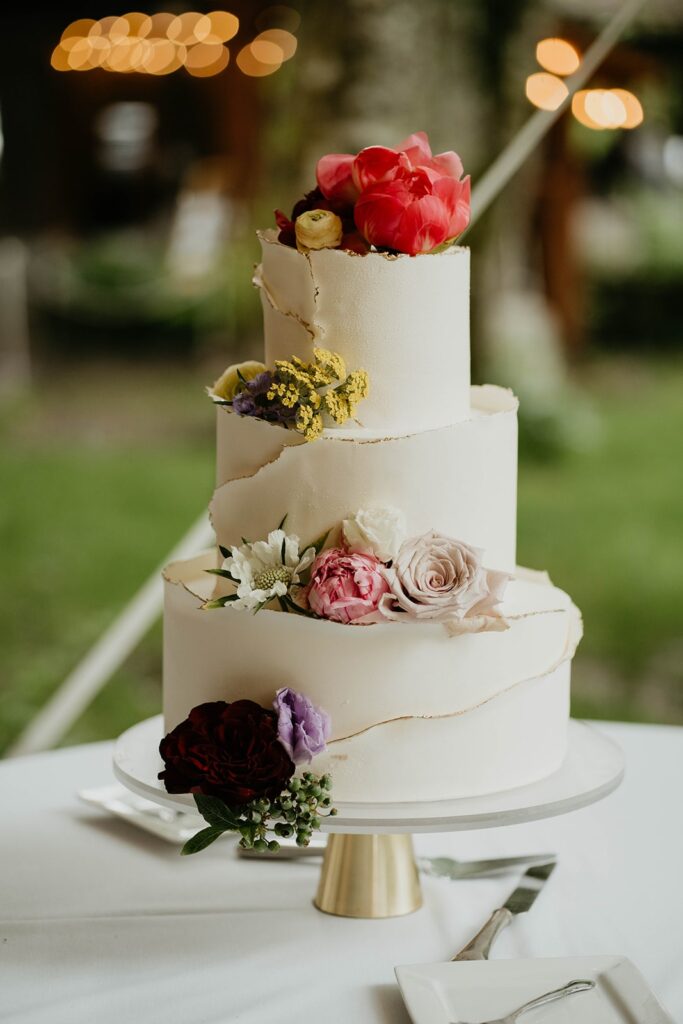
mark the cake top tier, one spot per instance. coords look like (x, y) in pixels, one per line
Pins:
(365, 299)
(366, 267)
(404, 320)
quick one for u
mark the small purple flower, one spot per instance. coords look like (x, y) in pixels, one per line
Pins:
(302, 728)
(252, 401)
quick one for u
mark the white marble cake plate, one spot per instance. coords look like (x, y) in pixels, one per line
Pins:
(593, 768)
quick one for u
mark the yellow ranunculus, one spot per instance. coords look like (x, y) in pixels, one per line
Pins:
(229, 383)
(318, 229)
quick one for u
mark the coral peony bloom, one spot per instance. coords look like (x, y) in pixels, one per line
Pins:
(413, 212)
(405, 199)
(346, 587)
(342, 176)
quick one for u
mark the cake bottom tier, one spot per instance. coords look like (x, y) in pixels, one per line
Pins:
(416, 715)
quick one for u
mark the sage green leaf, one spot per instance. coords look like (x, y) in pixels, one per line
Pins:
(320, 543)
(224, 573)
(201, 840)
(215, 811)
(220, 602)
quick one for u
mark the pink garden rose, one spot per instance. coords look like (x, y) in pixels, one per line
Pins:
(440, 579)
(405, 198)
(346, 587)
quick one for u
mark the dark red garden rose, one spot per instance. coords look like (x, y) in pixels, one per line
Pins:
(231, 751)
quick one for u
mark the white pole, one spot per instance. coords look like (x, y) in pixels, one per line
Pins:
(107, 654)
(515, 153)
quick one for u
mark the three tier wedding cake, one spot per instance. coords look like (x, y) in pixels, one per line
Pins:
(365, 518)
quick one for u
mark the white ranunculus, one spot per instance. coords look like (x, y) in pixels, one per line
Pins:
(267, 568)
(376, 531)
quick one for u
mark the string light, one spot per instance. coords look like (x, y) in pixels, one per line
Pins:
(557, 56)
(279, 37)
(602, 109)
(545, 90)
(250, 64)
(161, 43)
(632, 106)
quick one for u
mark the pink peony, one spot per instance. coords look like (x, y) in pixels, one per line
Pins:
(346, 587)
(405, 198)
(413, 212)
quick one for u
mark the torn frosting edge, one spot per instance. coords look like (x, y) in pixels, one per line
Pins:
(572, 643)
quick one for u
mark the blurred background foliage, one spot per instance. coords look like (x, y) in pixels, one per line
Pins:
(128, 204)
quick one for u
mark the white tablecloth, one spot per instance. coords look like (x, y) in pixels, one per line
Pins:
(102, 923)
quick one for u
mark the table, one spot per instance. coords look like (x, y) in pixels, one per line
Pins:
(101, 922)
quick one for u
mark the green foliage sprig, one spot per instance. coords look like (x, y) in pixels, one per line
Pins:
(296, 812)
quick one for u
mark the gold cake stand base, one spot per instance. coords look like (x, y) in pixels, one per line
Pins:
(370, 876)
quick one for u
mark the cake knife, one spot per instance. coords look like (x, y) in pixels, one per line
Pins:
(519, 902)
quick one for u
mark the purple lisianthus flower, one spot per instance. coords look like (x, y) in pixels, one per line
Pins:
(252, 401)
(302, 728)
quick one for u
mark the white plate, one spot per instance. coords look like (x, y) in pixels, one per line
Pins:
(173, 826)
(485, 990)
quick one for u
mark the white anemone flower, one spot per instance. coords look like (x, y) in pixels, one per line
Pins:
(267, 568)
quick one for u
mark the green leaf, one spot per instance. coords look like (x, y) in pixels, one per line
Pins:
(220, 602)
(260, 606)
(283, 550)
(226, 552)
(201, 840)
(320, 543)
(283, 521)
(240, 375)
(224, 573)
(297, 609)
(216, 811)
(245, 541)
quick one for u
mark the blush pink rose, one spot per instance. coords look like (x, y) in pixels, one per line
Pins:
(346, 587)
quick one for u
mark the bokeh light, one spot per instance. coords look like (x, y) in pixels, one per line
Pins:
(266, 52)
(632, 106)
(198, 64)
(602, 109)
(285, 41)
(557, 56)
(161, 43)
(545, 91)
(250, 65)
(223, 26)
(605, 109)
(164, 57)
(278, 16)
(182, 28)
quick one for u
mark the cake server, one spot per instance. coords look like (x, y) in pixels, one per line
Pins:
(519, 902)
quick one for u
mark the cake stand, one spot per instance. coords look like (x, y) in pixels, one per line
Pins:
(369, 868)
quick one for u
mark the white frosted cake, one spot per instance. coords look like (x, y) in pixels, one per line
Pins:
(428, 699)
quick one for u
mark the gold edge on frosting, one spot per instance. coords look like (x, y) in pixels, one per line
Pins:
(567, 656)
(332, 436)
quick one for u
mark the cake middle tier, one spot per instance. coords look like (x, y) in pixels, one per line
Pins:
(460, 479)
(403, 319)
